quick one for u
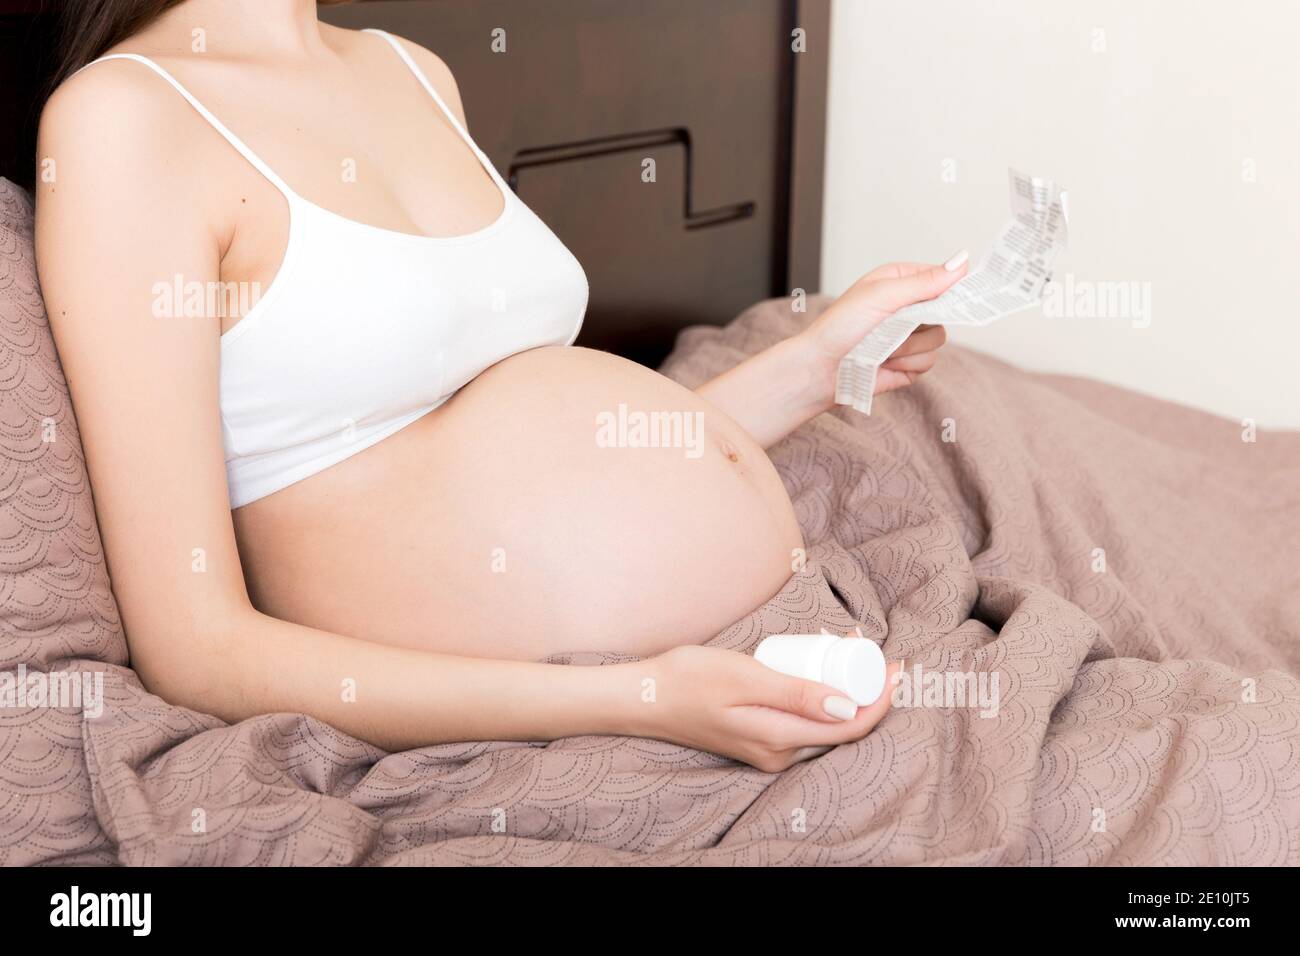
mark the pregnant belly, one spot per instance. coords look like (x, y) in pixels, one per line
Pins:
(564, 500)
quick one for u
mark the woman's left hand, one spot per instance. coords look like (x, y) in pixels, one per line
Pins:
(867, 303)
(774, 392)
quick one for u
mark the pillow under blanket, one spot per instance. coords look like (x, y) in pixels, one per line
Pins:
(57, 611)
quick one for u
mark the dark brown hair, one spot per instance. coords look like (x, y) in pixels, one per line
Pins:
(86, 28)
(89, 27)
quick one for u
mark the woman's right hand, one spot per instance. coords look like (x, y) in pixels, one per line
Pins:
(730, 704)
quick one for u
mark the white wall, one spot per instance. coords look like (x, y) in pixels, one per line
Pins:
(1156, 134)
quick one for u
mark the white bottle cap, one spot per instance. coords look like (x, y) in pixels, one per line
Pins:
(856, 666)
(799, 655)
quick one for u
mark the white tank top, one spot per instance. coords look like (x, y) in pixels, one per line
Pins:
(365, 329)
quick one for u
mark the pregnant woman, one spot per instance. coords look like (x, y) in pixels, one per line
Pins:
(370, 486)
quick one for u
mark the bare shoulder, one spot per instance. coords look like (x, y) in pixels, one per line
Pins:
(439, 75)
(109, 153)
(432, 66)
(108, 150)
(121, 96)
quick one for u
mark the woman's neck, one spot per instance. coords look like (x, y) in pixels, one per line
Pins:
(284, 28)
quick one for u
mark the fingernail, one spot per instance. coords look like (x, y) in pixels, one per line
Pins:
(956, 262)
(841, 708)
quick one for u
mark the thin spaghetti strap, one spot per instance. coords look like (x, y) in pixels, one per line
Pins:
(203, 111)
(424, 81)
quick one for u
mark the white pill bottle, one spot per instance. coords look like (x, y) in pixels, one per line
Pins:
(854, 666)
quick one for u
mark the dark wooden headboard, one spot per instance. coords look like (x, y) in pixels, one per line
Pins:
(572, 99)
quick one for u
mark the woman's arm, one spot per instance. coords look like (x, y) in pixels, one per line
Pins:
(774, 392)
(140, 195)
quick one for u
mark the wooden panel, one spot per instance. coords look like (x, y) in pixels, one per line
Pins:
(650, 271)
(808, 146)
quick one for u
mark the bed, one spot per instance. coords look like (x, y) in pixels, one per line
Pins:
(1118, 571)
